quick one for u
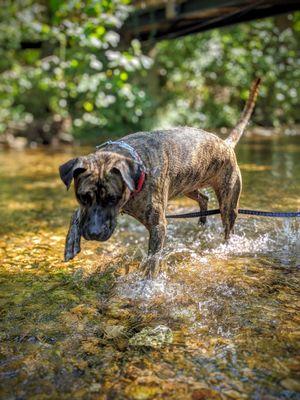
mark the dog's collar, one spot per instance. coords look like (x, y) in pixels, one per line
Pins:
(134, 154)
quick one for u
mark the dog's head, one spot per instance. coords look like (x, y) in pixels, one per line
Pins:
(103, 183)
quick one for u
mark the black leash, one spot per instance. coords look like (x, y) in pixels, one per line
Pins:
(273, 214)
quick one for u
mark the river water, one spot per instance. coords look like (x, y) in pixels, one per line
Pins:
(69, 330)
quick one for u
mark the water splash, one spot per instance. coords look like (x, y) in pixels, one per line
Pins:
(132, 287)
(252, 236)
(201, 248)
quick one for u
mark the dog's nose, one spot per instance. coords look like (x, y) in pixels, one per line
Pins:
(97, 233)
(94, 232)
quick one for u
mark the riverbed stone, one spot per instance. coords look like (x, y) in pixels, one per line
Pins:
(114, 331)
(291, 384)
(142, 392)
(156, 337)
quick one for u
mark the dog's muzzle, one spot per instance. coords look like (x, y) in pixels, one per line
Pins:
(99, 224)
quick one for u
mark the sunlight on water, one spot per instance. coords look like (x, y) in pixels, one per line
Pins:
(212, 293)
(252, 236)
(134, 287)
(232, 308)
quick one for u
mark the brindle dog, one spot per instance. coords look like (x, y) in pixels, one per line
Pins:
(177, 161)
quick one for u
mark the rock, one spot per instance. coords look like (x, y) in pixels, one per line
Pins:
(115, 310)
(156, 337)
(142, 392)
(205, 394)
(114, 331)
(91, 346)
(82, 309)
(95, 387)
(19, 143)
(291, 384)
(232, 394)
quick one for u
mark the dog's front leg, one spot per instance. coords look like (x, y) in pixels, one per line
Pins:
(72, 246)
(157, 233)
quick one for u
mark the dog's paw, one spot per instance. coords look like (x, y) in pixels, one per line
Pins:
(202, 221)
(151, 266)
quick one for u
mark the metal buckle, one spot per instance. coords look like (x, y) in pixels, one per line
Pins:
(104, 144)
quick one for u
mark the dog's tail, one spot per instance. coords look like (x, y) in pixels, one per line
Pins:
(238, 130)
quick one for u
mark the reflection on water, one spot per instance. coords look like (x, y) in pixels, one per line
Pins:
(68, 329)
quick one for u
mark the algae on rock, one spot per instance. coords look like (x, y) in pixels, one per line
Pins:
(156, 337)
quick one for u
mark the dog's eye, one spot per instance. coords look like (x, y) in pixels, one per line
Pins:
(86, 199)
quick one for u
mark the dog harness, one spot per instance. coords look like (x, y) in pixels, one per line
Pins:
(134, 154)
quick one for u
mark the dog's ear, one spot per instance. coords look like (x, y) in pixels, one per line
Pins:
(126, 168)
(71, 169)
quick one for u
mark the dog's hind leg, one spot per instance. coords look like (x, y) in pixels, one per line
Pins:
(202, 200)
(228, 193)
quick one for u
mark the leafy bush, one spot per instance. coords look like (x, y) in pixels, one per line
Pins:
(76, 76)
(77, 73)
(204, 78)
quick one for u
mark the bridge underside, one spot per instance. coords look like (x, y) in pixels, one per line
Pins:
(157, 19)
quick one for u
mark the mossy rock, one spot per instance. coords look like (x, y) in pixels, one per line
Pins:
(156, 337)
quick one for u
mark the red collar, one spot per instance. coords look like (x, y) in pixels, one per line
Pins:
(140, 183)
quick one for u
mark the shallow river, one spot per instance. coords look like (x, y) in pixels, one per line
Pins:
(228, 314)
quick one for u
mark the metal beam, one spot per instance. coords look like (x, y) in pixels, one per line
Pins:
(191, 16)
(183, 17)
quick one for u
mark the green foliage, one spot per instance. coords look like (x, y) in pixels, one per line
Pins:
(78, 73)
(204, 78)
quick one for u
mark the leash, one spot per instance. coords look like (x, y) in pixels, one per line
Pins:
(272, 214)
(141, 179)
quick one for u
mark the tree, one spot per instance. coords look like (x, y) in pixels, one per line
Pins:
(204, 78)
(74, 76)
(77, 74)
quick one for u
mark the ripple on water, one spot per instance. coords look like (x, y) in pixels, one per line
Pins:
(252, 236)
(203, 287)
(233, 308)
(203, 245)
(132, 287)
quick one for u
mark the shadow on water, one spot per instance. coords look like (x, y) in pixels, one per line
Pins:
(227, 314)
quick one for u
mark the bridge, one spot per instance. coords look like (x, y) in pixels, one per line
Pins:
(154, 20)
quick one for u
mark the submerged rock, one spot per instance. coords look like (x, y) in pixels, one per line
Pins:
(142, 392)
(291, 384)
(114, 331)
(156, 337)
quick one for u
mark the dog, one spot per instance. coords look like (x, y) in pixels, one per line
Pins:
(140, 173)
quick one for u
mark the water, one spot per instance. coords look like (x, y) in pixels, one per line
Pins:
(233, 307)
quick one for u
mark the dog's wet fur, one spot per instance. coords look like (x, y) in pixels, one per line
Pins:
(178, 161)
